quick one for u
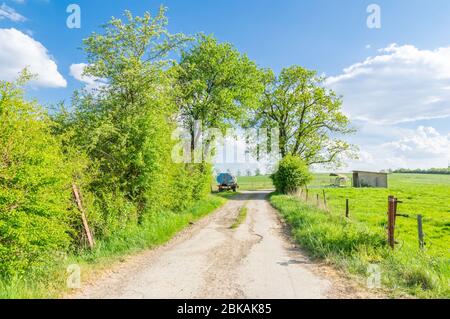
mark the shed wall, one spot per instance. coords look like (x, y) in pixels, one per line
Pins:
(362, 179)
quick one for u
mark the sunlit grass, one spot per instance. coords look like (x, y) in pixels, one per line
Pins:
(356, 242)
(155, 230)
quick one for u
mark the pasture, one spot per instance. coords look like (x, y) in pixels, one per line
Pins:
(355, 243)
(427, 195)
(424, 194)
(255, 183)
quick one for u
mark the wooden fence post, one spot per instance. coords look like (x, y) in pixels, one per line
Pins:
(318, 202)
(391, 221)
(420, 231)
(77, 197)
(325, 200)
(347, 208)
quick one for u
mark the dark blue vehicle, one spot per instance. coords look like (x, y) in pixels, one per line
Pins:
(226, 181)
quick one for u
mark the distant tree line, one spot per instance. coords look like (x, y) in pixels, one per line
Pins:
(445, 171)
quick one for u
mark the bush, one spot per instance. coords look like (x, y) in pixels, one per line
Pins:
(292, 173)
(124, 128)
(35, 207)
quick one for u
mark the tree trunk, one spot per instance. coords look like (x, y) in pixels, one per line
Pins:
(282, 142)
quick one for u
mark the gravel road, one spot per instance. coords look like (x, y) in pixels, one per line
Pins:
(211, 260)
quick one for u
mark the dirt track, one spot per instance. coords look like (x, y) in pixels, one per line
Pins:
(211, 260)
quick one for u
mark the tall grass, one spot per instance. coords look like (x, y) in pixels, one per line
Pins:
(155, 230)
(354, 246)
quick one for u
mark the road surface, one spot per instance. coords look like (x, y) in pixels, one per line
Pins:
(211, 260)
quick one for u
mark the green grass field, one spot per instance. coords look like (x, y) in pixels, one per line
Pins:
(428, 195)
(254, 183)
(355, 243)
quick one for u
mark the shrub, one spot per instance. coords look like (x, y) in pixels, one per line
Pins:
(124, 128)
(35, 208)
(292, 173)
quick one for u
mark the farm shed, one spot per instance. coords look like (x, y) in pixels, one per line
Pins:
(370, 179)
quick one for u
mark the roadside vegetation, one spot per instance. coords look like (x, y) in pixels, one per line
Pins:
(154, 230)
(240, 218)
(356, 242)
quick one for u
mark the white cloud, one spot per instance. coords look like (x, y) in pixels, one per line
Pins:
(18, 50)
(401, 84)
(10, 14)
(423, 147)
(425, 142)
(92, 83)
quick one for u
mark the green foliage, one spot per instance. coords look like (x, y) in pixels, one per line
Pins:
(155, 229)
(215, 86)
(114, 144)
(308, 116)
(124, 126)
(35, 210)
(292, 173)
(435, 171)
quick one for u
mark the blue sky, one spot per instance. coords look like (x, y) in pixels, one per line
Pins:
(325, 35)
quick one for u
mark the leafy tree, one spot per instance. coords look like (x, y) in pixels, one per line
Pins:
(307, 115)
(215, 86)
(124, 125)
(35, 210)
(292, 173)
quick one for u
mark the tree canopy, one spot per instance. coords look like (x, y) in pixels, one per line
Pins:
(216, 86)
(308, 116)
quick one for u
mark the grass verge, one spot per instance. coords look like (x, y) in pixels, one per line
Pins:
(240, 218)
(353, 247)
(155, 230)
